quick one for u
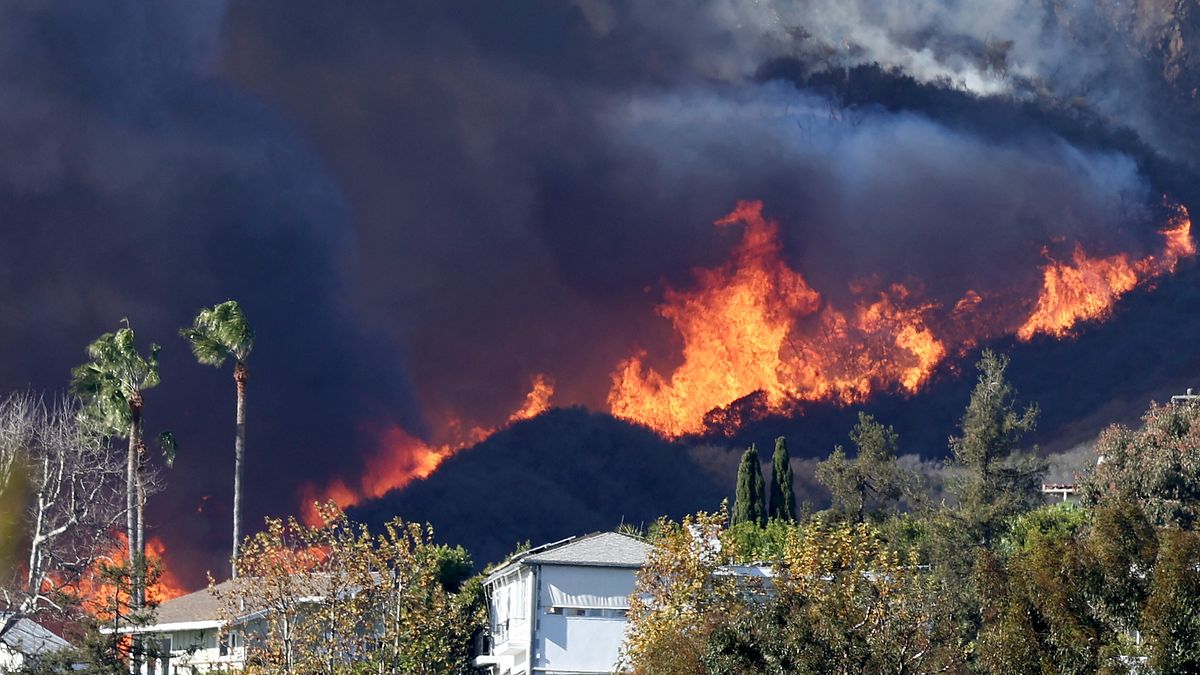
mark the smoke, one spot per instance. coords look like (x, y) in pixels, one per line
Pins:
(136, 185)
(430, 202)
(525, 181)
(854, 187)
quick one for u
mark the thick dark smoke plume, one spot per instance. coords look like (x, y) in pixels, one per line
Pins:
(135, 184)
(577, 153)
(423, 204)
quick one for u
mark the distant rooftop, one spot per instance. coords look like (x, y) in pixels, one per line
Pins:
(600, 549)
(204, 607)
(25, 636)
(1190, 395)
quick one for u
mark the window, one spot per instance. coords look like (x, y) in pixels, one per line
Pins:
(591, 612)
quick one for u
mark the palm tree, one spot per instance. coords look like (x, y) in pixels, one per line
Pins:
(110, 386)
(217, 334)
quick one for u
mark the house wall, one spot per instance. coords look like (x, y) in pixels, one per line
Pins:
(510, 612)
(193, 652)
(581, 617)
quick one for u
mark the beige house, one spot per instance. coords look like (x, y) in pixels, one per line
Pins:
(187, 636)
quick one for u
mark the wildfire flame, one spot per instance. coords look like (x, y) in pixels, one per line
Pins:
(537, 401)
(95, 592)
(755, 329)
(404, 458)
(755, 326)
(1087, 287)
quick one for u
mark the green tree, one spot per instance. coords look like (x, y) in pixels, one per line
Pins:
(868, 487)
(1055, 521)
(842, 602)
(782, 505)
(996, 480)
(111, 386)
(218, 334)
(1170, 621)
(749, 504)
(1037, 611)
(1123, 547)
(1156, 466)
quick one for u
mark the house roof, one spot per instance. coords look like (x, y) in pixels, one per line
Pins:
(28, 637)
(201, 605)
(599, 549)
(202, 609)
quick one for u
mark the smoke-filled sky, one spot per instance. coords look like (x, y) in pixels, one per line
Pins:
(422, 205)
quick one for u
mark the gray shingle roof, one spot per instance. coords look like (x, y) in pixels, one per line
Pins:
(199, 606)
(28, 637)
(605, 549)
(203, 605)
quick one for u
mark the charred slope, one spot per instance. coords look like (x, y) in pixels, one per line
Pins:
(571, 471)
(566, 472)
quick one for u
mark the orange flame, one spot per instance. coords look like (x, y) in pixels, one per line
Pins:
(405, 458)
(95, 592)
(755, 325)
(1086, 288)
(537, 401)
(754, 330)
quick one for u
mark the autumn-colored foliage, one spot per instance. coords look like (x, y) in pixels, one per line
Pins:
(336, 598)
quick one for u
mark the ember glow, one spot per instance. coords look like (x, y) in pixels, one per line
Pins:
(404, 458)
(755, 326)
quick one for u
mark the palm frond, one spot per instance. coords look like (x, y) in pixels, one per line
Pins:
(111, 378)
(220, 332)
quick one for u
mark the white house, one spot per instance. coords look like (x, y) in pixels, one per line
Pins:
(187, 636)
(22, 640)
(561, 608)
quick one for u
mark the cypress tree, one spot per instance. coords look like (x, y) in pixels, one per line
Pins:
(783, 498)
(749, 502)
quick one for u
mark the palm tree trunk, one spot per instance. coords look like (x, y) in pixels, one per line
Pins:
(131, 493)
(240, 375)
(141, 525)
(133, 521)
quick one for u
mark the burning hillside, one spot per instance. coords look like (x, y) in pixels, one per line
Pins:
(755, 327)
(1087, 287)
(403, 458)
